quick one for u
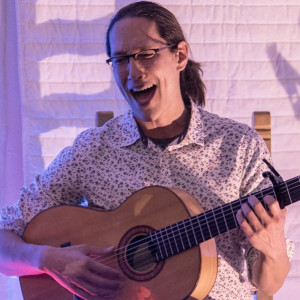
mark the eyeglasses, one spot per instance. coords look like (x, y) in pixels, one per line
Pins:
(146, 58)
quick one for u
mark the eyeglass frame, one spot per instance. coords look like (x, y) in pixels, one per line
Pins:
(134, 55)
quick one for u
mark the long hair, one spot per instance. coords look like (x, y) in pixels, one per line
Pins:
(191, 84)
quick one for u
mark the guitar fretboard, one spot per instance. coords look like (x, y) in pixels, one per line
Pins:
(190, 232)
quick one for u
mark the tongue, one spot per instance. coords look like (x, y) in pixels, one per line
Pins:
(144, 96)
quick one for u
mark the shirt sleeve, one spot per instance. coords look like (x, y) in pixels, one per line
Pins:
(252, 182)
(59, 184)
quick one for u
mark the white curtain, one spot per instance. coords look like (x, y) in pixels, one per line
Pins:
(53, 79)
(11, 173)
(11, 165)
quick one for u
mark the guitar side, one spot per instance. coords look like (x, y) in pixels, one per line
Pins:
(190, 273)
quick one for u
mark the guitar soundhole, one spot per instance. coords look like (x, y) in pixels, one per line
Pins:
(136, 254)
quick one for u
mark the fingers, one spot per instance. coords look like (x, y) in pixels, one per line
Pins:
(91, 286)
(90, 280)
(274, 207)
(85, 290)
(94, 251)
(99, 254)
(103, 276)
(263, 227)
(253, 217)
(84, 271)
(256, 214)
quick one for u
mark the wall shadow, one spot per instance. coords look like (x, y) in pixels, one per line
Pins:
(287, 76)
(53, 110)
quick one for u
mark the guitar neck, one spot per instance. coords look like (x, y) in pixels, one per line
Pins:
(190, 232)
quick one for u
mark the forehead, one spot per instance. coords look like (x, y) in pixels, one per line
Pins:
(136, 33)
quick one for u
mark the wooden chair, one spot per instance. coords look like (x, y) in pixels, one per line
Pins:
(261, 123)
(102, 117)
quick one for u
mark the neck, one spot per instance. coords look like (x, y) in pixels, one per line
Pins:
(175, 128)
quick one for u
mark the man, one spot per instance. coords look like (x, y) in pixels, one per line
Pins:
(165, 139)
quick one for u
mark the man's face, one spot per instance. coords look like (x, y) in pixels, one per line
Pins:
(153, 92)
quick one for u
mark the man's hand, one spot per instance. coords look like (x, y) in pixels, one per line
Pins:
(265, 231)
(75, 269)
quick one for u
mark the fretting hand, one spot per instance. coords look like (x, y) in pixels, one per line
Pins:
(264, 229)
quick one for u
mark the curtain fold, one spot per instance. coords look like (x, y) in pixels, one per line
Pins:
(11, 166)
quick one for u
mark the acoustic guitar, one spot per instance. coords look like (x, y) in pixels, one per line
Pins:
(163, 240)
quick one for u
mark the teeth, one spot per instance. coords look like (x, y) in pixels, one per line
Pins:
(142, 89)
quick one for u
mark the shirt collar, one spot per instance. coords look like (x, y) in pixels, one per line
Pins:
(130, 132)
(195, 133)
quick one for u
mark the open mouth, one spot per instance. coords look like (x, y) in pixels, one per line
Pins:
(143, 96)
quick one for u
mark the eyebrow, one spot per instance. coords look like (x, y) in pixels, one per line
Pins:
(121, 53)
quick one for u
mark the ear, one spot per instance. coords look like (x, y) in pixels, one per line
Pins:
(182, 55)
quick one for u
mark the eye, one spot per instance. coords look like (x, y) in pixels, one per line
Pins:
(144, 55)
(119, 60)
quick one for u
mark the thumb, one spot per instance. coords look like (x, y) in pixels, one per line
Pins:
(102, 251)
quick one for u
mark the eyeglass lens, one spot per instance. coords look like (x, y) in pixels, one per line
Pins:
(145, 58)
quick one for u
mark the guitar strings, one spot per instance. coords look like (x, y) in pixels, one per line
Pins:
(188, 229)
(166, 234)
(147, 246)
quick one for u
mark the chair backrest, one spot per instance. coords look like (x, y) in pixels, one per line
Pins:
(262, 124)
(102, 117)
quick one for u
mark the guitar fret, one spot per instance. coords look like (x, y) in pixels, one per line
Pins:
(187, 235)
(162, 240)
(229, 216)
(159, 248)
(288, 192)
(166, 242)
(213, 213)
(220, 220)
(213, 225)
(170, 239)
(225, 221)
(175, 240)
(205, 227)
(184, 235)
(179, 234)
(200, 228)
(154, 241)
(193, 232)
(233, 214)
(206, 221)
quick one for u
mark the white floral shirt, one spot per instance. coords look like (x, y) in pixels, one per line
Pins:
(218, 161)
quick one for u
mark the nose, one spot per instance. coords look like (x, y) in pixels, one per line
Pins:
(135, 70)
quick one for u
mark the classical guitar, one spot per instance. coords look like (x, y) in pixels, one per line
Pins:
(163, 239)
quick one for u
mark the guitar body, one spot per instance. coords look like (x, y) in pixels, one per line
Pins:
(187, 275)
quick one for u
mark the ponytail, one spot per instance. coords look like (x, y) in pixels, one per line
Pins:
(191, 84)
